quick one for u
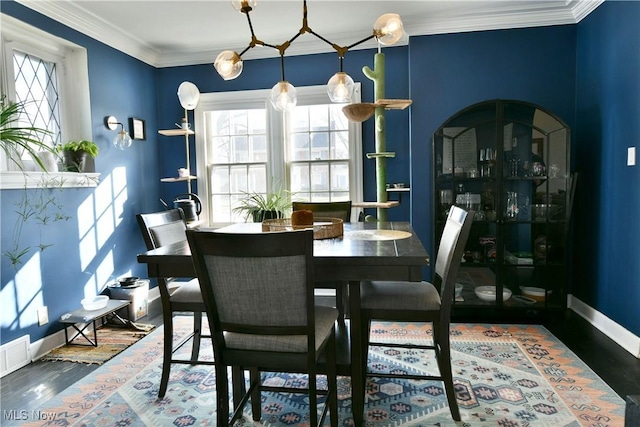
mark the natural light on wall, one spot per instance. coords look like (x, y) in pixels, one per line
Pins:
(26, 291)
(98, 217)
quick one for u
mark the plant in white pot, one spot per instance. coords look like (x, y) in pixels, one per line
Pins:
(75, 154)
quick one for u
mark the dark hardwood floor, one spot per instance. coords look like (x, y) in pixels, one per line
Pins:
(30, 387)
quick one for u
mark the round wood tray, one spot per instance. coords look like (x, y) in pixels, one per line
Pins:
(323, 228)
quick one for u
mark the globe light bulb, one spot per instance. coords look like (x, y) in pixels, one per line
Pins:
(283, 96)
(122, 140)
(388, 29)
(228, 64)
(189, 95)
(340, 87)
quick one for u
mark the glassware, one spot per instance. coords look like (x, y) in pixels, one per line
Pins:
(512, 205)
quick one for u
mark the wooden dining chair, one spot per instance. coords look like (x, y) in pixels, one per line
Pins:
(258, 292)
(422, 302)
(160, 229)
(340, 210)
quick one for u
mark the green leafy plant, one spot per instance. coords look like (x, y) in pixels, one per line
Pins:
(87, 146)
(255, 204)
(16, 139)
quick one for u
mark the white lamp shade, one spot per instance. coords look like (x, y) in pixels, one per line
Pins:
(122, 140)
(228, 64)
(283, 96)
(340, 87)
(189, 95)
(388, 29)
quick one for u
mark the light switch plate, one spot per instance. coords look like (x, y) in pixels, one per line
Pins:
(43, 316)
(631, 156)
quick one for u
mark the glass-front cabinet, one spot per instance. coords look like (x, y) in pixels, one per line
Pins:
(508, 162)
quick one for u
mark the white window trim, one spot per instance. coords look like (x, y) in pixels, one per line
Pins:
(75, 105)
(259, 98)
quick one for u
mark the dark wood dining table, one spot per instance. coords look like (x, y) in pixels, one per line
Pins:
(366, 251)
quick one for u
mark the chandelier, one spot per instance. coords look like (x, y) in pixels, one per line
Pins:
(387, 29)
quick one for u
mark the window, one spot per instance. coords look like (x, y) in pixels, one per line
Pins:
(244, 145)
(50, 75)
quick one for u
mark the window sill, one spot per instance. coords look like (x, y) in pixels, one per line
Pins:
(22, 180)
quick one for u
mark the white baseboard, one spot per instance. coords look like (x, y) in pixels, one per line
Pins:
(623, 337)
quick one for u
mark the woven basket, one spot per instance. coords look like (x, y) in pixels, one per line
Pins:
(323, 228)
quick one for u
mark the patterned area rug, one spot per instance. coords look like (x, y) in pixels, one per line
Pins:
(506, 375)
(111, 341)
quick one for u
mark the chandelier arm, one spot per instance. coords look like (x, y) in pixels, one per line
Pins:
(322, 38)
(253, 34)
(246, 49)
(361, 41)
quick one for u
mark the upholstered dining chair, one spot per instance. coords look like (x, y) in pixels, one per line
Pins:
(341, 210)
(160, 229)
(422, 302)
(258, 291)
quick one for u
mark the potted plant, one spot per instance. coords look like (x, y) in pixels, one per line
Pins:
(260, 206)
(75, 154)
(16, 139)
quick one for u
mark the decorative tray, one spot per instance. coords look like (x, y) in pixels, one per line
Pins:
(323, 228)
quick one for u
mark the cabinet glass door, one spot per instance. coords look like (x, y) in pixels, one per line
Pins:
(508, 161)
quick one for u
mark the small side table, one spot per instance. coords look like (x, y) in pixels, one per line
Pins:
(88, 317)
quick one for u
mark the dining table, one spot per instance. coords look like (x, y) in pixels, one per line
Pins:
(364, 251)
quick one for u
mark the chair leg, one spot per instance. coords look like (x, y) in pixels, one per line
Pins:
(222, 396)
(342, 301)
(444, 364)
(238, 385)
(313, 398)
(256, 404)
(167, 354)
(197, 333)
(332, 382)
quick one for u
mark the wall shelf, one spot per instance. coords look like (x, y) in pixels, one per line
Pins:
(179, 179)
(394, 104)
(185, 133)
(377, 205)
(176, 132)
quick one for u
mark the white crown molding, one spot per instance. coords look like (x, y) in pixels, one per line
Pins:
(494, 16)
(69, 14)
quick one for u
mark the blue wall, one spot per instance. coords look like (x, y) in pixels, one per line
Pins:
(607, 259)
(585, 73)
(451, 72)
(100, 240)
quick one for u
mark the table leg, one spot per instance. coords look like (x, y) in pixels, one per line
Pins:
(357, 370)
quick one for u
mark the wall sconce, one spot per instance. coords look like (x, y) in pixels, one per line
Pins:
(122, 140)
(387, 30)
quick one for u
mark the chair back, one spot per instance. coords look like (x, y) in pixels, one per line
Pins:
(452, 244)
(162, 228)
(341, 210)
(256, 284)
